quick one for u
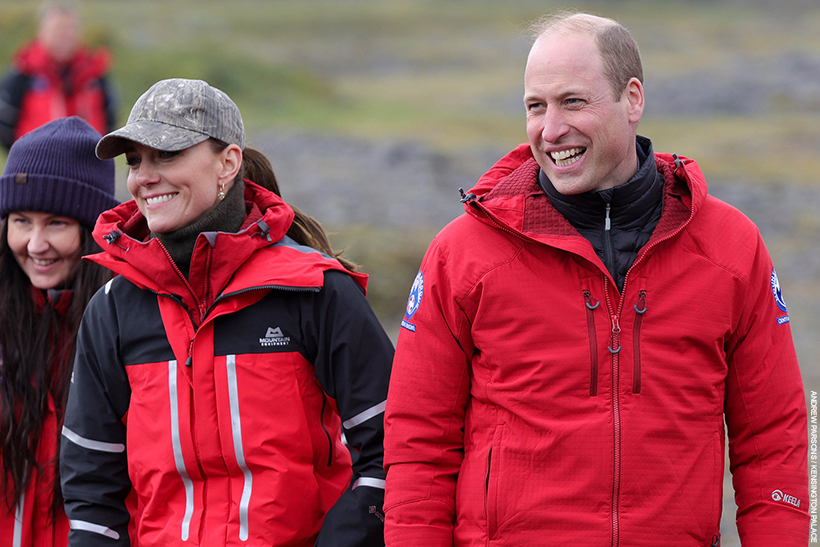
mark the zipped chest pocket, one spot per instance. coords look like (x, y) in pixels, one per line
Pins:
(591, 305)
(640, 310)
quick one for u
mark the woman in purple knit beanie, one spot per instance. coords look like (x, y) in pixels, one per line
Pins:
(51, 192)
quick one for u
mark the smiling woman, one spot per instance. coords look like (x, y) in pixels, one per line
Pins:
(234, 321)
(46, 246)
(51, 192)
(174, 188)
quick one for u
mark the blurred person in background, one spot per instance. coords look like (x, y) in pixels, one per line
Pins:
(216, 374)
(56, 76)
(574, 342)
(52, 189)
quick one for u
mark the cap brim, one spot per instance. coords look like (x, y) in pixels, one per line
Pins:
(157, 135)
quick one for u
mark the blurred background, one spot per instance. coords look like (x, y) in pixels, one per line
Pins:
(374, 113)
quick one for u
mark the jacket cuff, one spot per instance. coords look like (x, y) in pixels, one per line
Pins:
(424, 522)
(774, 526)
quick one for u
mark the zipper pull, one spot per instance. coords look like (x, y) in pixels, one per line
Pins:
(640, 307)
(190, 360)
(112, 238)
(264, 230)
(616, 331)
(465, 198)
(591, 302)
(607, 223)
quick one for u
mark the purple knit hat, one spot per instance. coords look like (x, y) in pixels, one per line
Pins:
(53, 169)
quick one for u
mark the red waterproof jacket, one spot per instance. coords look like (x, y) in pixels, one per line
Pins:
(209, 410)
(531, 403)
(38, 90)
(31, 523)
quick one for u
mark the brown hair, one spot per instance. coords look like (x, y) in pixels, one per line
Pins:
(305, 230)
(618, 49)
(37, 356)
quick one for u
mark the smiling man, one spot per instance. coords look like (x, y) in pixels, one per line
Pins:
(574, 343)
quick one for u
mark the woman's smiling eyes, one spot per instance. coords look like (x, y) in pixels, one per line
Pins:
(132, 159)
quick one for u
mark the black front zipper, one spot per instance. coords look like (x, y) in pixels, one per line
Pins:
(261, 288)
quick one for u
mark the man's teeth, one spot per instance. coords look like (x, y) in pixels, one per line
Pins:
(160, 199)
(41, 262)
(567, 157)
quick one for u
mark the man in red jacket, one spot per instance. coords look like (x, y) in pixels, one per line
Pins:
(573, 343)
(55, 76)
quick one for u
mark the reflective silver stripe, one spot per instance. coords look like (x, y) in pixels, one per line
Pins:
(236, 429)
(368, 481)
(100, 446)
(175, 442)
(364, 416)
(93, 528)
(17, 538)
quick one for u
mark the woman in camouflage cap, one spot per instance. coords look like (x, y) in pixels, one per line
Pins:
(217, 374)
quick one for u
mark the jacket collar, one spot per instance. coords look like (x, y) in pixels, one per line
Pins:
(128, 250)
(58, 299)
(511, 196)
(629, 202)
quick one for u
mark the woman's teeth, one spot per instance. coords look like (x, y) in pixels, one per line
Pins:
(159, 199)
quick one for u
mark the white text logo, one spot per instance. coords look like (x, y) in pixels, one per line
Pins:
(777, 495)
(274, 337)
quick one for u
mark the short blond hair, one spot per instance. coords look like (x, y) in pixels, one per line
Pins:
(618, 49)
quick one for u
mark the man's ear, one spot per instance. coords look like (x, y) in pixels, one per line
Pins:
(231, 161)
(634, 97)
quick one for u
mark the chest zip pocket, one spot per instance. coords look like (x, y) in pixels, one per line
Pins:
(591, 305)
(640, 310)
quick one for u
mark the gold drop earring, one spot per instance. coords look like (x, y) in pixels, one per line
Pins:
(221, 193)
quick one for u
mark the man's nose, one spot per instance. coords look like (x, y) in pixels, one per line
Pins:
(555, 125)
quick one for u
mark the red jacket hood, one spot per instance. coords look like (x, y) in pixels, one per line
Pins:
(221, 261)
(504, 192)
(502, 168)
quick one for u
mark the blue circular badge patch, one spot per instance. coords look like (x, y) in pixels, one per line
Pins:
(415, 296)
(778, 294)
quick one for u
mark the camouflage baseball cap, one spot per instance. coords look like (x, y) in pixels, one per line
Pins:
(175, 114)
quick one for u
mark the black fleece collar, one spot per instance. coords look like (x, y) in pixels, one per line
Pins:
(228, 216)
(630, 202)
